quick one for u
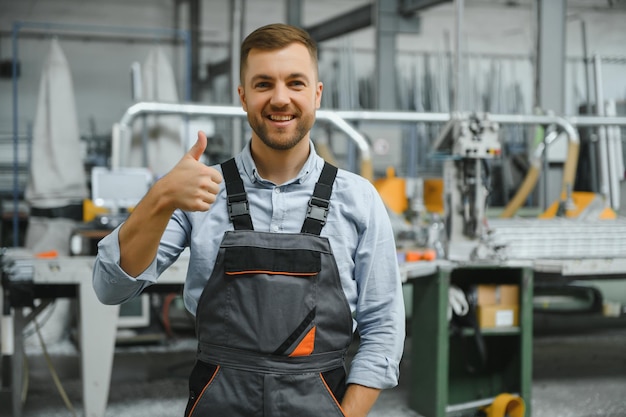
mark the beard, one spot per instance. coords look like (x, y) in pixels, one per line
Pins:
(281, 139)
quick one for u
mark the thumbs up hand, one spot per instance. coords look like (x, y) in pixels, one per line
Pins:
(191, 185)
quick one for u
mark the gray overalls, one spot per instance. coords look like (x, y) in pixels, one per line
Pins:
(273, 323)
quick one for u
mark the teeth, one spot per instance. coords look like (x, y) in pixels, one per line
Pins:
(280, 118)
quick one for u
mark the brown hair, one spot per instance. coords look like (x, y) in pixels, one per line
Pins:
(272, 37)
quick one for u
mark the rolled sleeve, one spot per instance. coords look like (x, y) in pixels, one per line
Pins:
(111, 284)
(374, 371)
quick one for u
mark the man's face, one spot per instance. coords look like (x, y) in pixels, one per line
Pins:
(280, 94)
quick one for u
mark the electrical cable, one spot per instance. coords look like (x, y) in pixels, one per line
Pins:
(53, 373)
(26, 379)
(49, 311)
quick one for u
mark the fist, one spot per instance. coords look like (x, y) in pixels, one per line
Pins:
(191, 185)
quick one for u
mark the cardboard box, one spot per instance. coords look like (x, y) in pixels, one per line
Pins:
(496, 316)
(497, 294)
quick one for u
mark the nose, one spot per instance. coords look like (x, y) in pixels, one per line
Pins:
(280, 95)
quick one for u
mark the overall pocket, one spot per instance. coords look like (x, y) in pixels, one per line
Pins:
(200, 379)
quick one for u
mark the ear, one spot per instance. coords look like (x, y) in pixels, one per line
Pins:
(318, 94)
(242, 98)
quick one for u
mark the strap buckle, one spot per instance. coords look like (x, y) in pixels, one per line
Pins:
(238, 205)
(318, 209)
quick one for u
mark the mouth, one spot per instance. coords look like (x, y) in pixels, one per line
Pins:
(281, 117)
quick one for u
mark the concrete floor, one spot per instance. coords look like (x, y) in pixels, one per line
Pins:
(574, 375)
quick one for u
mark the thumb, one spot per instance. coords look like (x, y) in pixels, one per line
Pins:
(198, 148)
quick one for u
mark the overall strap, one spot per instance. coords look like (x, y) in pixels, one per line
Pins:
(317, 212)
(238, 207)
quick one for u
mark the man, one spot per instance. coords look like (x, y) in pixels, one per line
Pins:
(287, 258)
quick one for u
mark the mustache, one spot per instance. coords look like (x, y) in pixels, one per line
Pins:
(277, 109)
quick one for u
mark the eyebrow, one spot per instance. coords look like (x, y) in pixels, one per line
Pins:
(291, 76)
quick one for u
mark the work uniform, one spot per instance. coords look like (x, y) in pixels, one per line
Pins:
(273, 323)
(357, 227)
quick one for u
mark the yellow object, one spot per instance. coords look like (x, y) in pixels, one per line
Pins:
(569, 177)
(506, 405)
(532, 176)
(433, 195)
(324, 151)
(584, 203)
(393, 191)
(367, 170)
(90, 210)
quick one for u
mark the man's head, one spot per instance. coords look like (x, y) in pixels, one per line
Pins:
(279, 87)
(272, 37)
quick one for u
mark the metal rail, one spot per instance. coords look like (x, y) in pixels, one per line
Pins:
(566, 123)
(121, 130)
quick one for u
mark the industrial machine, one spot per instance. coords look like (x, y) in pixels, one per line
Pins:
(469, 142)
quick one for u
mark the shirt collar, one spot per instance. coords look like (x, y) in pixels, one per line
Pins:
(313, 164)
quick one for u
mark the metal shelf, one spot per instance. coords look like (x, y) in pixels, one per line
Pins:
(448, 370)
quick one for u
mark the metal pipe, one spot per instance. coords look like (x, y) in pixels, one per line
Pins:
(237, 15)
(142, 108)
(456, 105)
(593, 162)
(194, 28)
(605, 165)
(16, 29)
(597, 121)
(146, 107)
(392, 116)
(567, 123)
(531, 178)
(545, 167)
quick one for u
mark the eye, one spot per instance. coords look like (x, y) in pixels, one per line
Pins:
(298, 83)
(262, 85)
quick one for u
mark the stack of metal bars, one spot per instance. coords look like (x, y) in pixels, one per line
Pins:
(559, 238)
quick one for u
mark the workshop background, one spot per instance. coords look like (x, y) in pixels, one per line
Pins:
(398, 71)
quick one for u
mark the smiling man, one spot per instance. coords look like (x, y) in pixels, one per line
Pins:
(289, 256)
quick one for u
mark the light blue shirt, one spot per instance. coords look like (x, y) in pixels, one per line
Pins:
(360, 234)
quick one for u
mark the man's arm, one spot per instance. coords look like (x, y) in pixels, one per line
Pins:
(190, 186)
(380, 311)
(359, 400)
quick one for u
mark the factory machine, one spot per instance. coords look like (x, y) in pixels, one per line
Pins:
(470, 142)
(573, 246)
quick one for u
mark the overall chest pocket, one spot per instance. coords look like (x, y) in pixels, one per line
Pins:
(242, 260)
(271, 297)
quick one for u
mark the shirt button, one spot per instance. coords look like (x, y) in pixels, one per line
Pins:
(277, 190)
(276, 228)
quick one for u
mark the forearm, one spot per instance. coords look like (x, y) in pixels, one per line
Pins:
(359, 400)
(140, 235)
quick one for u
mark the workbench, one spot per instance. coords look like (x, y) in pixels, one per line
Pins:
(72, 277)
